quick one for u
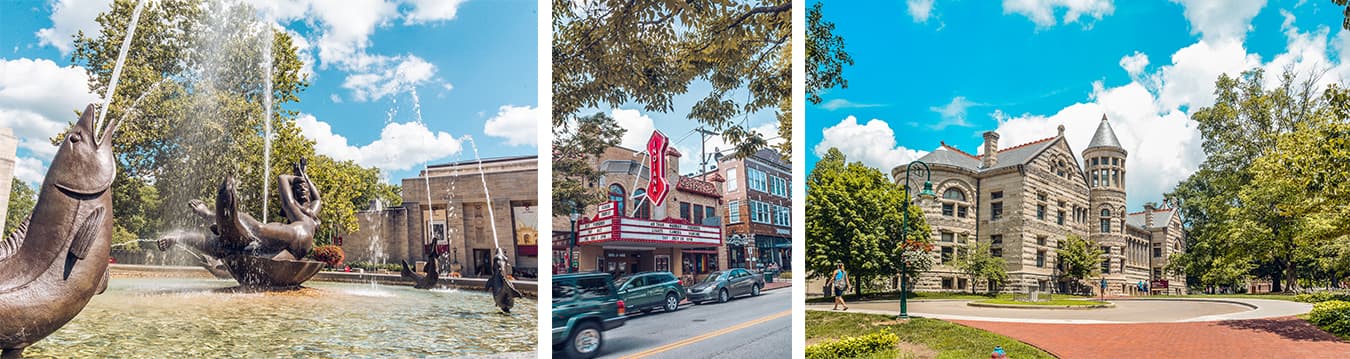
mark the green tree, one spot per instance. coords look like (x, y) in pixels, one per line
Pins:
(825, 55)
(21, 201)
(1345, 20)
(647, 52)
(854, 216)
(1079, 259)
(574, 151)
(190, 101)
(978, 263)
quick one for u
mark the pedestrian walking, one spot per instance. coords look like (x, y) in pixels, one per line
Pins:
(839, 283)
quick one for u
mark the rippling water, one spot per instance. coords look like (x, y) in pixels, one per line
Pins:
(206, 318)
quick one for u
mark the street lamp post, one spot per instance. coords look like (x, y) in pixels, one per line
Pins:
(904, 229)
(572, 245)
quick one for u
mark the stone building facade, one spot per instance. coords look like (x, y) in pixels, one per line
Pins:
(758, 194)
(624, 177)
(9, 145)
(1024, 200)
(455, 222)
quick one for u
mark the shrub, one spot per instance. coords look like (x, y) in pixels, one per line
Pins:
(853, 347)
(1332, 316)
(1322, 297)
(328, 254)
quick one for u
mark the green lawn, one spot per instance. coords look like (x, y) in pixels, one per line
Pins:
(929, 295)
(945, 339)
(1056, 302)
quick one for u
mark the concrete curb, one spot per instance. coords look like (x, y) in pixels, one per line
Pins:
(1216, 300)
(1043, 307)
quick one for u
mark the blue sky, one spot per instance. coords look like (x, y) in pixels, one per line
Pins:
(472, 64)
(929, 71)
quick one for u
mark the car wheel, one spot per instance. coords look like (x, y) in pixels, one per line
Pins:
(754, 292)
(585, 341)
(672, 302)
(723, 296)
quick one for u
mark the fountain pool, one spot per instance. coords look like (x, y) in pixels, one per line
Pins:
(178, 317)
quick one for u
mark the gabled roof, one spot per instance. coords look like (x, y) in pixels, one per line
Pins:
(1105, 136)
(1161, 217)
(1008, 157)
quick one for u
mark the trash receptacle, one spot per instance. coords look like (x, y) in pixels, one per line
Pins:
(768, 277)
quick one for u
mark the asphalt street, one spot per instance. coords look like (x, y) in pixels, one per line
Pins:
(745, 327)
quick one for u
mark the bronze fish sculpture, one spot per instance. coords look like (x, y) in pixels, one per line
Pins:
(58, 258)
(423, 281)
(503, 292)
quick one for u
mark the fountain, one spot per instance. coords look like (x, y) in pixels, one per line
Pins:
(58, 258)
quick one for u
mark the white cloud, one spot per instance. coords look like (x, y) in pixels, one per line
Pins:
(69, 17)
(432, 10)
(517, 124)
(839, 103)
(953, 113)
(920, 10)
(38, 99)
(1217, 20)
(1188, 82)
(335, 98)
(872, 143)
(401, 146)
(30, 170)
(1042, 12)
(404, 73)
(1134, 64)
(639, 128)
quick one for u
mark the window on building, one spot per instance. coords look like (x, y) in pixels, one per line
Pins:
(760, 212)
(1040, 197)
(1106, 266)
(954, 194)
(996, 195)
(961, 211)
(732, 184)
(782, 216)
(1040, 212)
(1106, 225)
(948, 283)
(948, 237)
(996, 239)
(1040, 240)
(1157, 252)
(782, 188)
(616, 194)
(946, 255)
(1094, 161)
(1106, 250)
(1115, 161)
(644, 207)
(684, 211)
(996, 252)
(1040, 259)
(734, 211)
(1115, 177)
(756, 180)
(996, 210)
(709, 212)
(947, 209)
(1059, 217)
(698, 214)
(1094, 178)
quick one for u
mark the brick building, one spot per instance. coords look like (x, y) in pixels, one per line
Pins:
(758, 194)
(692, 201)
(1023, 200)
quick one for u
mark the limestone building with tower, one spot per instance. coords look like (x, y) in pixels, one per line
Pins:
(1025, 199)
(9, 145)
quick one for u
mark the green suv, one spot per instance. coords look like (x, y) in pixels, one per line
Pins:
(647, 291)
(584, 306)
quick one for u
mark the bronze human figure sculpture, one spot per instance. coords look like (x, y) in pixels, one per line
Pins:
(58, 258)
(503, 292)
(423, 281)
(255, 252)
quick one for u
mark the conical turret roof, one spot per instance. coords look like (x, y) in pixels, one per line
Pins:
(1105, 136)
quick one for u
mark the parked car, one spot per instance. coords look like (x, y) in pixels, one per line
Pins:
(724, 285)
(584, 306)
(648, 291)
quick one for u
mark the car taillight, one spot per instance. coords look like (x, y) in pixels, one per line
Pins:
(679, 281)
(622, 308)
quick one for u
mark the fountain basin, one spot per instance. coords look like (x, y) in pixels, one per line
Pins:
(206, 318)
(255, 271)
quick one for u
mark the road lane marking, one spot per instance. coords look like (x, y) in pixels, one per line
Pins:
(702, 337)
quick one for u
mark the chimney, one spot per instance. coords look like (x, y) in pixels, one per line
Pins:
(1148, 215)
(990, 157)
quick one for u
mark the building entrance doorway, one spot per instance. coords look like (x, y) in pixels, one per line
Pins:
(482, 262)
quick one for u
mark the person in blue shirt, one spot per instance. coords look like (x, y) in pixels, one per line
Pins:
(838, 282)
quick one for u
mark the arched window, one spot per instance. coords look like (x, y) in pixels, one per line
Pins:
(644, 206)
(954, 193)
(616, 194)
(1106, 212)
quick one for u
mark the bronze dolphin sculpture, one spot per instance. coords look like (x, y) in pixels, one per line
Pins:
(503, 292)
(58, 259)
(426, 281)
